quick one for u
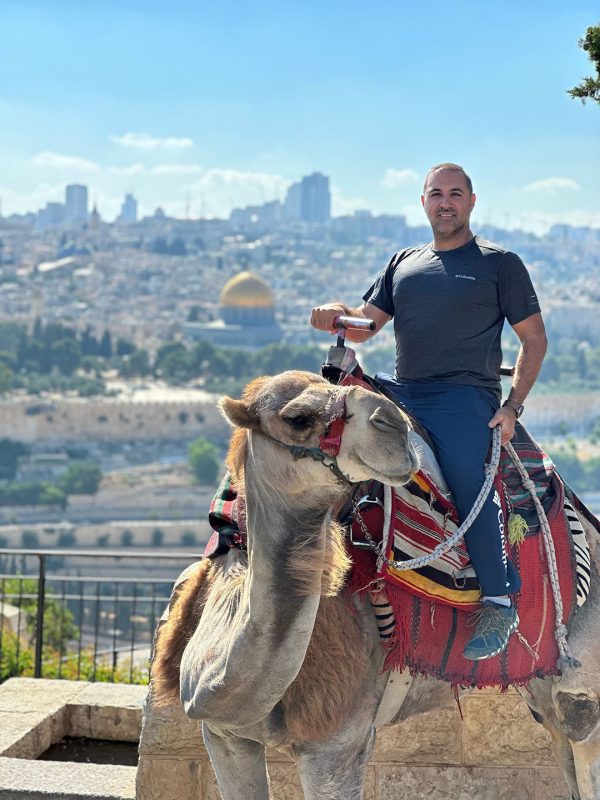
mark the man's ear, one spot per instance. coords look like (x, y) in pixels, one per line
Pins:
(237, 413)
(473, 200)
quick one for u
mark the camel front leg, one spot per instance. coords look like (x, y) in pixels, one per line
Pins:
(335, 770)
(239, 765)
(587, 767)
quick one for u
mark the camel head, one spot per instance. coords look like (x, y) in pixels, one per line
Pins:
(299, 409)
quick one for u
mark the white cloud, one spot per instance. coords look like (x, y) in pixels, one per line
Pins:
(342, 206)
(59, 161)
(552, 185)
(395, 178)
(177, 169)
(217, 191)
(132, 169)
(144, 141)
(540, 222)
(14, 202)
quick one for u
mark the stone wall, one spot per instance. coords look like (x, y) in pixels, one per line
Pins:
(69, 419)
(497, 752)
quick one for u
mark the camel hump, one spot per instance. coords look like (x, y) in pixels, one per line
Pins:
(175, 629)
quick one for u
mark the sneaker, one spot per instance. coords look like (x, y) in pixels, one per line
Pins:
(495, 623)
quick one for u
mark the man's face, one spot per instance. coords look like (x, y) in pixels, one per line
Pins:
(447, 202)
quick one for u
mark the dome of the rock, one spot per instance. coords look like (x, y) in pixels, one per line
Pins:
(246, 290)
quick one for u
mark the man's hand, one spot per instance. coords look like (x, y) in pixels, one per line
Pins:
(323, 317)
(506, 417)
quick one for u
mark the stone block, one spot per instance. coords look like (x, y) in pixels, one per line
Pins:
(431, 738)
(501, 731)
(25, 694)
(170, 779)
(36, 780)
(168, 732)
(550, 784)
(107, 711)
(458, 783)
(25, 735)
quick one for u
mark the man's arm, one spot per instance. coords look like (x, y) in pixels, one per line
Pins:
(532, 334)
(322, 318)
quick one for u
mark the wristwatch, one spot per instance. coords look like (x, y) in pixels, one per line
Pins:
(516, 407)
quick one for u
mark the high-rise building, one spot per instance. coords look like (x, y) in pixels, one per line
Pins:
(315, 198)
(76, 204)
(309, 200)
(129, 209)
(52, 215)
(292, 209)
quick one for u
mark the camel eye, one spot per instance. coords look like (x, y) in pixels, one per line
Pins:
(300, 422)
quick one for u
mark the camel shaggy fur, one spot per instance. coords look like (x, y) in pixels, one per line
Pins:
(267, 649)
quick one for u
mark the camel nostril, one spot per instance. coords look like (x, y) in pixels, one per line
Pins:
(388, 421)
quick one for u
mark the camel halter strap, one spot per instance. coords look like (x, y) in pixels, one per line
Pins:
(329, 443)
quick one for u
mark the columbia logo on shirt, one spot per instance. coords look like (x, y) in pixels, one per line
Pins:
(466, 277)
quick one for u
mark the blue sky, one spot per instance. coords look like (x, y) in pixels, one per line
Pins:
(227, 103)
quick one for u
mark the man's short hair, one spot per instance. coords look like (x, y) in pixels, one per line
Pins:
(454, 168)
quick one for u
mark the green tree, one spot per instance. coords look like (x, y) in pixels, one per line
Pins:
(204, 460)
(30, 540)
(66, 539)
(124, 347)
(589, 88)
(158, 537)
(105, 347)
(174, 362)
(7, 378)
(66, 355)
(81, 479)
(135, 364)
(9, 454)
(59, 627)
(188, 539)
(126, 538)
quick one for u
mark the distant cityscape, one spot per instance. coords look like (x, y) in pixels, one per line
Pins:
(307, 201)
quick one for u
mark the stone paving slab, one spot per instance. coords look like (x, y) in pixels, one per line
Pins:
(27, 694)
(458, 783)
(21, 779)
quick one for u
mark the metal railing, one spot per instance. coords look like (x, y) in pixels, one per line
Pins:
(83, 614)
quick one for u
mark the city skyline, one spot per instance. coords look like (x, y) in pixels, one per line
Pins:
(211, 109)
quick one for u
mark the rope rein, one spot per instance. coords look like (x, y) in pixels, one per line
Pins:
(443, 547)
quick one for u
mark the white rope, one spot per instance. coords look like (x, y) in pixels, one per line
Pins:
(560, 632)
(448, 544)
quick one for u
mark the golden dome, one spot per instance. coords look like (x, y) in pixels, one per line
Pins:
(246, 290)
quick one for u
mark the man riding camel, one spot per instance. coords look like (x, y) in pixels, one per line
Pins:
(449, 300)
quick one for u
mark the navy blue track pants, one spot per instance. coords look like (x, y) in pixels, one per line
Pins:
(456, 417)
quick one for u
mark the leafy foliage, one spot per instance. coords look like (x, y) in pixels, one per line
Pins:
(204, 460)
(81, 479)
(589, 88)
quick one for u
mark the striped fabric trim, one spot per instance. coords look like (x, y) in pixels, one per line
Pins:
(582, 554)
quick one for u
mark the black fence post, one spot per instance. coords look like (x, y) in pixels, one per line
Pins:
(41, 599)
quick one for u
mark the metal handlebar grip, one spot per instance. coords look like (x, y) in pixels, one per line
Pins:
(354, 323)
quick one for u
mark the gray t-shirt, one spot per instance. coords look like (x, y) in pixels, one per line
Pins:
(449, 307)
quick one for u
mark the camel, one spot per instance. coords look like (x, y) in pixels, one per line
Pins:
(266, 648)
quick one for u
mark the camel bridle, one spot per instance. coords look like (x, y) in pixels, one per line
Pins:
(329, 442)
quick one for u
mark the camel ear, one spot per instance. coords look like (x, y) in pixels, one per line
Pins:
(237, 413)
